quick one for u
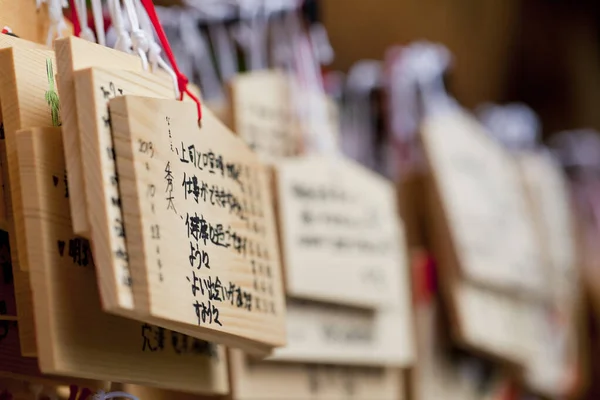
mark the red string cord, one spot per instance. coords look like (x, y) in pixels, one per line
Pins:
(74, 18)
(182, 80)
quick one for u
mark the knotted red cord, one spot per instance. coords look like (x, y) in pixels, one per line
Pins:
(182, 80)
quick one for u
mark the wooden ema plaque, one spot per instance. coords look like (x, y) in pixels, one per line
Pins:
(560, 358)
(340, 234)
(264, 121)
(333, 334)
(265, 380)
(94, 87)
(482, 311)
(483, 205)
(484, 317)
(199, 224)
(75, 337)
(25, 83)
(73, 54)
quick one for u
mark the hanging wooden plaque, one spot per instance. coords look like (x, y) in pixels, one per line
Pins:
(483, 205)
(332, 334)
(554, 368)
(479, 317)
(26, 86)
(484, 317)
(199, 223)
(263, 380)
(340, 234)
(264, 121)
(94, 87)
(75, 337)
(5, 42)
(73, 54)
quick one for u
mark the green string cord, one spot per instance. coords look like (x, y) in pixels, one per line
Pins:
(52, 96)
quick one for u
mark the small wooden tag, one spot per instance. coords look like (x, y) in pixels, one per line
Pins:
(262, 113)
(291, 381)
(94, 87)
(73, 54)
(340, 233)
(484, 206)
(485, 316)
(75, 337)
(331, 334)
(199, 224)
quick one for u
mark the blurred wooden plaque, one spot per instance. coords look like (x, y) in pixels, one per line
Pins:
(75, 337)
(558, 367)
(340, 236)
(261, 105)
(199, 224)
(332, 334)
(483, 205)
(252, 380)
(485, 317)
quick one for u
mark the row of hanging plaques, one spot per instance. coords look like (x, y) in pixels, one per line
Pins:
(504, 241)
(189, 230)
(142, 243)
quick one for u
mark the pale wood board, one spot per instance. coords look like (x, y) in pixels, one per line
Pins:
(15, 366)
(199, 224)
(261, 380)
(332, 334)
(76, 338)
(23, 86)
(559, 359)
(506, 327)
(478, 316)
(483, 204)
(341, 240)
(93, 88)
(261, 106)
(73, 54)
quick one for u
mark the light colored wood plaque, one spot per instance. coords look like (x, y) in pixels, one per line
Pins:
(331, 334)
(199, 223)
(94, 87)
(5, 42)
(261, 105)
(485, 317)
(554, 368)
(483, 204)
(75, 337)
(262, 380)
(340, 235)
(73, 54)
(24, 84)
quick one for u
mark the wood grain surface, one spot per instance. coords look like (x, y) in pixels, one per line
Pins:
(75, 337)
(199, 224)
